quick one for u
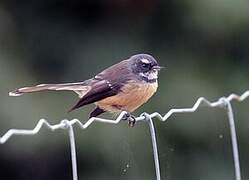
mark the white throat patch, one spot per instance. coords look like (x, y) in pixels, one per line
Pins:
(151, 75)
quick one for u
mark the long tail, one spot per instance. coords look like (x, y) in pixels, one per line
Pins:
(79, 88)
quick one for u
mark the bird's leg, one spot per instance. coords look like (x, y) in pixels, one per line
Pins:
(97, 111)
(131, 119)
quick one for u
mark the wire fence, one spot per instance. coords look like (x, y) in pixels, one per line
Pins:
(223, 102)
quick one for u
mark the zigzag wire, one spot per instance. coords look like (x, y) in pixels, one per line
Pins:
(62, 124)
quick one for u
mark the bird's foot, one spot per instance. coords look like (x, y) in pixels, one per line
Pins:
(131, 119)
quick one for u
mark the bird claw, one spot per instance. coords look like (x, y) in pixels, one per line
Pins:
(131, 119)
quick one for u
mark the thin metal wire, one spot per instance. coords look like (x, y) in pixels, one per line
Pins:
(222, 102)
(233, 139)
(73, 150)
(154, 145)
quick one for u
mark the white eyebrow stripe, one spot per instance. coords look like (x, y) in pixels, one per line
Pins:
(146, 61)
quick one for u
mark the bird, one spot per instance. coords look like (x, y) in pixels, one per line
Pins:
(124, 86)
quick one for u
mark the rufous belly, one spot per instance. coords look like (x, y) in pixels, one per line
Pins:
(131, 96)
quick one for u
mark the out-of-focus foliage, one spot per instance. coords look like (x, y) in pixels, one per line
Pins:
(204, 46)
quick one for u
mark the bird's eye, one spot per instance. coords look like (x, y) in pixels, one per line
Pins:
(145, 65)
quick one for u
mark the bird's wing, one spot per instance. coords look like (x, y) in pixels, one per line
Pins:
(105, 84)
(99, 90)
(81, 88)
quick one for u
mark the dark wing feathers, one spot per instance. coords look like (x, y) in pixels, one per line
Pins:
(99, 91)
(105, 84)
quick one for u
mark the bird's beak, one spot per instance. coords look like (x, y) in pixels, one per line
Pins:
(157, 68)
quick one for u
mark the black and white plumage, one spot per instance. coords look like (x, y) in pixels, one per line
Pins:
(122, 87)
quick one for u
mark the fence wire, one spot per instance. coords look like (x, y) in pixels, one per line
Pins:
(223, 102)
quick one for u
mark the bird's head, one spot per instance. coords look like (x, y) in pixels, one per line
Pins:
(145, 66)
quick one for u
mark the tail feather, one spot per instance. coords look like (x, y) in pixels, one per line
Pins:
(79, 88)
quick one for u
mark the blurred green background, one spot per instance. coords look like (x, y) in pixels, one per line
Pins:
(204, 46)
